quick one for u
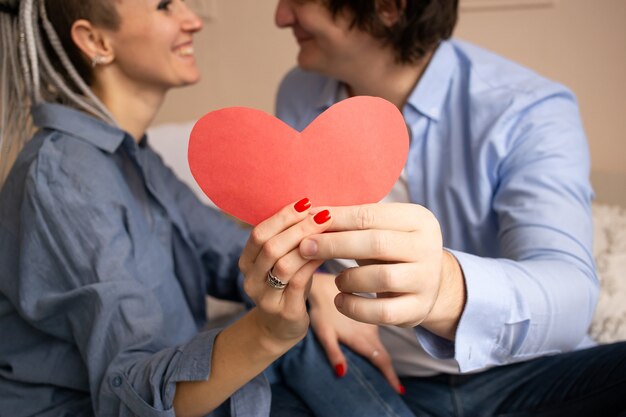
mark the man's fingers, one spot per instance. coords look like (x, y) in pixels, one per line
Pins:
(363, 244)
(382, 216)
(402, 310)
(380, 278)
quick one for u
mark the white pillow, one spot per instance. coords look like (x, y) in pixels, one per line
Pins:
(171, 142)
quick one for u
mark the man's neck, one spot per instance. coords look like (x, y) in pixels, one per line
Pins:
(388, 79)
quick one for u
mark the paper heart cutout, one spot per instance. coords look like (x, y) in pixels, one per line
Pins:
(251, 164)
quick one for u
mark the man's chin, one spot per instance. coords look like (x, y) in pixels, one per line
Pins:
(306, 63)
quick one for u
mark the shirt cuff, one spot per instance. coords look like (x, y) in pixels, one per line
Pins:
(253, 399)
(189, 362)
(194, 363)
(435, 346)
(488, 305)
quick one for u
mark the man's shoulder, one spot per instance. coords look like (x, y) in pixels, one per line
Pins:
(304, 82)
(300, 92)
(499, 86)
(488, 71)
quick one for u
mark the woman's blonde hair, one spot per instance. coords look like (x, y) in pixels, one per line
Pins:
(39, 62)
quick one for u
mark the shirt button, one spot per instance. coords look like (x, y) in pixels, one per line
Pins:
(117, 381)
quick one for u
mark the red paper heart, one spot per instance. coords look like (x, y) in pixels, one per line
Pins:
(251, 164)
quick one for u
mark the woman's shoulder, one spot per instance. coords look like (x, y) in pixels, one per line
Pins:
(57, 177)
(66, 165)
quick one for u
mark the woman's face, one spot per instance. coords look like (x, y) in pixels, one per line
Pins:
(153, 46)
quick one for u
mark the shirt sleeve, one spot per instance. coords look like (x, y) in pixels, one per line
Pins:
(538, 298)
(80, 282)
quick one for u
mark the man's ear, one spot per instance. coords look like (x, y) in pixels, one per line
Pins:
(92, 42)
(390, 11)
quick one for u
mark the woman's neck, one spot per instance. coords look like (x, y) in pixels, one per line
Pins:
(133, 107)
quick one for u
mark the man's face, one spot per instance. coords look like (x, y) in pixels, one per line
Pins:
(328, 46)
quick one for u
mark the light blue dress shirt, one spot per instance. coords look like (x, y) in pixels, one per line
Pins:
(499, 155)
(105, 261)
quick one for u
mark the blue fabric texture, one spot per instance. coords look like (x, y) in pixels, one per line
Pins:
(582, 383)
(499, 155)
(303, 381)
(105, 262)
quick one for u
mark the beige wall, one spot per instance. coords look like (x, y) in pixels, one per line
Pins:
(243, 57)
(581, 43)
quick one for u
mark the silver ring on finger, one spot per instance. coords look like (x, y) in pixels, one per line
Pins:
(274, 282)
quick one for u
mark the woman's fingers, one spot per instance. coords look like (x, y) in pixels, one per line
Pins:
(264, 231)
(284, 242)
(272, 248)
(284, 311)
(329, 341)
(373, 350)
(288, 265)
(297, 291)
(280, 256)
(366, 342)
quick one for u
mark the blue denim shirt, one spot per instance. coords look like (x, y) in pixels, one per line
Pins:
(105, 261)
(500, 156)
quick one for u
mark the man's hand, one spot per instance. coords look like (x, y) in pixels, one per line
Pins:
(403, 262)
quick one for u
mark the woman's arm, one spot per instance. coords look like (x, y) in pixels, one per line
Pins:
(278, 322)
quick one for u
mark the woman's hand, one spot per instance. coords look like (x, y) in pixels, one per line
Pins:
(273, 248)
(245, 348)
(332, 328)
(403, 261)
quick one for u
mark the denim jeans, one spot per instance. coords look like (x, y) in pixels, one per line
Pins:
(589, 383)
(304, 384)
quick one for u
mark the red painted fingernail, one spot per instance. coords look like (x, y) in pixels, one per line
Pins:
(340, 370)
(322, 217)
(302, 205)
(401, 389)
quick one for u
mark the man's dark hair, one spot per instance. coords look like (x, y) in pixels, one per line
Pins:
(422, 25)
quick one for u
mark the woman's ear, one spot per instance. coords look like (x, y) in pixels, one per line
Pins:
(390, 11)
(92, 42)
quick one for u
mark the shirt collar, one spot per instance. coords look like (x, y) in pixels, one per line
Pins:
(429, 96)
(78, 124)
(328, 94)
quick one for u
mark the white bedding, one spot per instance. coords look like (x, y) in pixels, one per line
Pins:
(609, 249)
